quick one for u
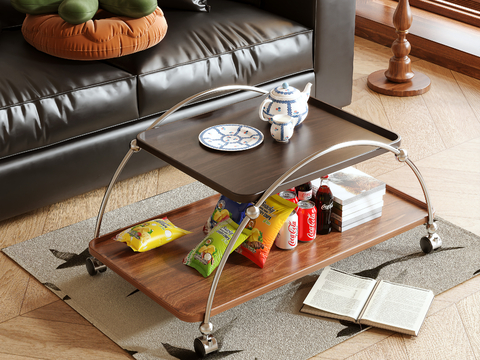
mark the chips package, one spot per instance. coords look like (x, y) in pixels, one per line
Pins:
(150, 235)
(273, 213)
(225, 209)
(207, 255)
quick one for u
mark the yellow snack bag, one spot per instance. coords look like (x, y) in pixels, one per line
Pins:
(273, 213)
(150, 235)
(207, 255)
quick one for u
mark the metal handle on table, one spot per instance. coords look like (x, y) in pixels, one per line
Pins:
(401, 155)
(206, 327)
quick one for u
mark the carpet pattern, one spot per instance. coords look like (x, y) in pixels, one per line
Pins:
(147, 331)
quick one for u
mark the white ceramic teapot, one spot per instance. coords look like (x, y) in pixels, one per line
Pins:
(286, 100)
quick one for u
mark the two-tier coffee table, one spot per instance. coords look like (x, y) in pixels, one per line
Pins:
(328, 140)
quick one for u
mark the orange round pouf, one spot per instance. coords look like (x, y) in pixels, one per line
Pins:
(106, 36)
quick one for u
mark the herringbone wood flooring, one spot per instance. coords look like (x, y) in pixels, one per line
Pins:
(440, 130)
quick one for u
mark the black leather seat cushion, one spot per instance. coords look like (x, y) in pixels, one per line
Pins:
(45, 100)
(52, 100)
(234, 43)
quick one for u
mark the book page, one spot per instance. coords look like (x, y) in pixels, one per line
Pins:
(340, 293)
(399, 306)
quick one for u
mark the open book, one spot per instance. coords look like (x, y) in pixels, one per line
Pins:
(382, 304)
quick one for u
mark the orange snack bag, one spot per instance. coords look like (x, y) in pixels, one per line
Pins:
(273, 213)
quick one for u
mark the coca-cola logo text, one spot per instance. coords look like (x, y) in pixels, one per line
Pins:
(292, 230)
(312, 229)
(304, 195)
(327, 206)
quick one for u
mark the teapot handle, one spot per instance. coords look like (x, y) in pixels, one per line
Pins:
(260, 111)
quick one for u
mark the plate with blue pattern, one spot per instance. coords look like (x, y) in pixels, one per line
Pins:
(231, 137)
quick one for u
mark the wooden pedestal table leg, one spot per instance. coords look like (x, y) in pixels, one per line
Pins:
(399, 79)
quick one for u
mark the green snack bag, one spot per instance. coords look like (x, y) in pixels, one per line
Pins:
(207, 255)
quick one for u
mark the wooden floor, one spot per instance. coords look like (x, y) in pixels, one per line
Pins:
(440, 131)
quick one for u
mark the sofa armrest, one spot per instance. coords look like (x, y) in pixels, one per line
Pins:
(333, 22)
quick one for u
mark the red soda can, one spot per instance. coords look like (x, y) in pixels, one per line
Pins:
(287, 237)
(289, 195)
(307, 221)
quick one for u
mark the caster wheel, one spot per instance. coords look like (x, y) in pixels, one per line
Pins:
(94, 266)
(205, 345)
(426, 245)
(430, 243)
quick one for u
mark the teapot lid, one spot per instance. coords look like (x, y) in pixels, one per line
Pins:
(285, 91)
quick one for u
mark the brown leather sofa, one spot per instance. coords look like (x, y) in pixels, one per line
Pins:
(65, 125)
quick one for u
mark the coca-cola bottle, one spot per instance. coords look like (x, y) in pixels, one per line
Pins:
(304, 191)
(324, 204)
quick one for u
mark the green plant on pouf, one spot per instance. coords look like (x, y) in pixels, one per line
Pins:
(79, 11)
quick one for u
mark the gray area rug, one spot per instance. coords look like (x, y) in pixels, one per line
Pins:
(268, 327)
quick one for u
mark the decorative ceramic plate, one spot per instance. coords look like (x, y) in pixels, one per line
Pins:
(231, 137)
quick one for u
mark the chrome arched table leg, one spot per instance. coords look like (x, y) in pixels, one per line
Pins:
(207, 343)
(93, 265)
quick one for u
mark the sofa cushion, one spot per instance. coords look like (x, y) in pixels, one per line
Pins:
(45, 100)
(191, 5)
(103, 37)
(9, 17)
(233, 44)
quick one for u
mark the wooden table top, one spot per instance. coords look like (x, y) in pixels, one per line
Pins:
(243, 176)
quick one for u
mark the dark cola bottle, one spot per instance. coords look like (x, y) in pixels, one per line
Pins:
(324, 204)
(304, 191)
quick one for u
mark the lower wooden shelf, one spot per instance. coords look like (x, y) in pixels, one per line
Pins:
(180, 289)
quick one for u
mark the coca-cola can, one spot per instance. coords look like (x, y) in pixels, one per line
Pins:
(289, 195)
(307, 221)
(287, 237)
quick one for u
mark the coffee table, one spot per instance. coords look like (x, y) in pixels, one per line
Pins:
(328, 140)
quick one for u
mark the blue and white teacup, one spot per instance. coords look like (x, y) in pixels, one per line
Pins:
(282, 127)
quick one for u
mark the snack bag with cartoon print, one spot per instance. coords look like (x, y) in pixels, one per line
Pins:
(273, 213)
(225, 209)
(150, 235)
(207, 255)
